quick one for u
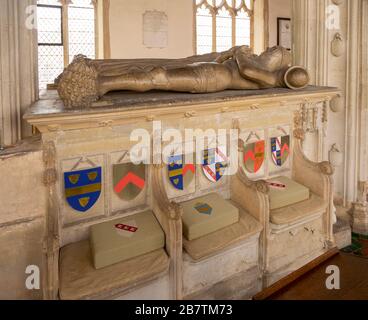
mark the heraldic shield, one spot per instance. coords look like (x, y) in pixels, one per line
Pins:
(203, 208)
(214, 163)
(280, 149)
(129, 180)
(83, 188)
(254, 155)
(180, 174)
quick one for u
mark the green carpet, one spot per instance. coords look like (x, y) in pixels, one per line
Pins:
(359, 246)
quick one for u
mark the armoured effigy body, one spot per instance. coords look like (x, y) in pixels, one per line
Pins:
(85, 81)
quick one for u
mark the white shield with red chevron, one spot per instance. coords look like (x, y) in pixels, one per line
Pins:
(129, 180)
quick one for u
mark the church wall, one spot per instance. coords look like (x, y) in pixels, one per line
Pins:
(21, 246)
(22, 218)
(259, 27)
(18, 69)
(126, 28)
(277, 9)
(337, 77)
(315, 25)
(100, 30)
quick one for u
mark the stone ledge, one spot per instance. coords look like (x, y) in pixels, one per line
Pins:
(342, 233)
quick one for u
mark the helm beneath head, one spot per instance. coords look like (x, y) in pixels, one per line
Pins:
(296, 78)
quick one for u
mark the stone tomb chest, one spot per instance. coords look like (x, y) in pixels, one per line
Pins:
(96, 143)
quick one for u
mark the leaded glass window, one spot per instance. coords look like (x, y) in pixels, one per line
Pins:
(65, 28)
(222, 24)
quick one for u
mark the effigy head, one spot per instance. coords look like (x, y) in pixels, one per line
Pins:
(296, 78)
(77, 85)
(275, 59)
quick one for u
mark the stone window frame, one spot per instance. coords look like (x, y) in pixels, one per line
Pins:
(214, 6)
(64, 5)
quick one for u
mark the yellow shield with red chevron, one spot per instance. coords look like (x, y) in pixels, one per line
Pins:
(129, 180)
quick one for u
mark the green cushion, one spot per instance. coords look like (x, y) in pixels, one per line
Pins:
(207, 214)
(125, 238)
(291, 194)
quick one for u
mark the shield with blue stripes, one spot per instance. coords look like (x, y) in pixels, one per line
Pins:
(214, 163)
(280, 149)
(83, 188)
(180, 174)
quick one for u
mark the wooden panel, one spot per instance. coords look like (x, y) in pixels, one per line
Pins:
(312, 286)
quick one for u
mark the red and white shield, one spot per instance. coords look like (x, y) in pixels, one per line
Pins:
(214, 163)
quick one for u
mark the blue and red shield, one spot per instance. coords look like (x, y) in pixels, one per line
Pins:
(214, 163)
(180, 174)
(83, 188)
(280, 148)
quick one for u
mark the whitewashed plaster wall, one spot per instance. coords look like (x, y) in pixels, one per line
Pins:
(126, 28)
(259, 26)
(277, 9)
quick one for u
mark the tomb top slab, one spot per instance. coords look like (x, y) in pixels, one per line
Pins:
(49, 114)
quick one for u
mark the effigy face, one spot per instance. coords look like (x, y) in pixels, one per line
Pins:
(85, 81)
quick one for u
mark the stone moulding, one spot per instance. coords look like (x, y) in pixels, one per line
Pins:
(169, 215)
(50, 115)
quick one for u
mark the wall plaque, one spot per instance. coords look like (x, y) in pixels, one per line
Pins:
(155, 29)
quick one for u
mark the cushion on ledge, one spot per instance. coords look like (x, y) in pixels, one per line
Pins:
(125, 238)
(207, 214)
(285, 192)
(78, 279)
(298, 211)
(218, 241)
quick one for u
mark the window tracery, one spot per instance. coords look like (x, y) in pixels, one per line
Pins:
(222, 24)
